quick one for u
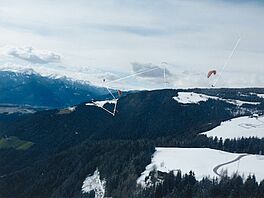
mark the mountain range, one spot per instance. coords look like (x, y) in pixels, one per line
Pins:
(28, 88)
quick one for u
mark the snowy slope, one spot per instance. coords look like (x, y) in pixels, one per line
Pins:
(94, 183)
(195, 98)
(202, 161)
(239, 127)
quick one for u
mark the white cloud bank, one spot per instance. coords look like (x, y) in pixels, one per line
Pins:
(32, 55)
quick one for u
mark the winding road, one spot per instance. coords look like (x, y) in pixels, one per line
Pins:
(232, 161)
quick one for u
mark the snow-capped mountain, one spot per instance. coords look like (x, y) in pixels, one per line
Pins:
(27, 87)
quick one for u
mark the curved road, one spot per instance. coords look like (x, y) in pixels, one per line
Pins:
(232, 161)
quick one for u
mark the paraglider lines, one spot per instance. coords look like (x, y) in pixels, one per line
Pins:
(164, 73)
(120, 92)
(115, 99)
(227, 61)
(132, 75)
(108, 111)
(110, 92)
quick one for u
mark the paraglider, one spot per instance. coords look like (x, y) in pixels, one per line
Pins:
(119, 92)
(210, 73)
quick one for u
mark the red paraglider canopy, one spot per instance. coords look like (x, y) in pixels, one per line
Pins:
(210, 73)
(119, 93)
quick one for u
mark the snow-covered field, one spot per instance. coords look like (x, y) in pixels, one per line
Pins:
(94, 183)
(195, 98)
(191, 98)
(202, 161)
(251, 164)
(238, 128)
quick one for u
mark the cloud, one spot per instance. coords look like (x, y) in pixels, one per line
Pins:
(130, 29)
(33, 56)
(149, 70)
(110, 34)
(108, 76)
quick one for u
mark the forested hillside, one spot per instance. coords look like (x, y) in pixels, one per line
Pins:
(67, 146)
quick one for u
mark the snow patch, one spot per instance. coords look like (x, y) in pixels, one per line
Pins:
(252, 126)
(72, 109)
(101, 103)
(67, 110)
(260, 95)
(94, 183)
(201, 161)
(239, 102)
(195, 98)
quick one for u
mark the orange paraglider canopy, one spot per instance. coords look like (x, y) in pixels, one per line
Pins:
(210, 73)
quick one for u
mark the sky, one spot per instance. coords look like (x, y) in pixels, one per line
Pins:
(109, 39)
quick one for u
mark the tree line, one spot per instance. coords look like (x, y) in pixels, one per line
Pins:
(186, 185)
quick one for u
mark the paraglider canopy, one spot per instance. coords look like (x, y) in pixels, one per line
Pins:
(210, 73)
